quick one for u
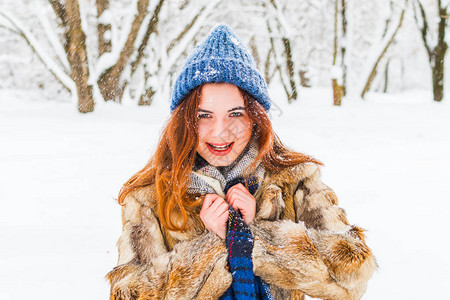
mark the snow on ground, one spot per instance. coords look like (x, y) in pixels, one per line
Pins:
(387, 159)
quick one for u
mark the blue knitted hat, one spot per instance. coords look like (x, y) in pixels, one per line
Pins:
(221, 58)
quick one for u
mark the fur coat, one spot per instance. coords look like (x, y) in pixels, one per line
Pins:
(303, 244)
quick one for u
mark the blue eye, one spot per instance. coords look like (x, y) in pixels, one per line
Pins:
(200, 116)
(236, 114)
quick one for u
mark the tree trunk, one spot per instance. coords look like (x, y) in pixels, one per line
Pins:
(267, 64)
(77, 57)
(438, 80)
(147, 97)
(337, 92)
(337, 88)
(104, 43)
(439, 56)
(108, 82)
(290, 69)
(386, 77)
(343, 46)
(436, 55)
(304, 80)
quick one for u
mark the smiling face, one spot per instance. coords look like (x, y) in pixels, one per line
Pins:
(224, 127)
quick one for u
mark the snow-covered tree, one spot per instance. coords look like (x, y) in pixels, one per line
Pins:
(94, 48)
(431, 18)
(393, 24)
(130, 50)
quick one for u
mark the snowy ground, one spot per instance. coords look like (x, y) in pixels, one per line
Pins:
(387, 159)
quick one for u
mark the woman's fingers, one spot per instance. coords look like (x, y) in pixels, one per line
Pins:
(217, 208)
(239, 205)
(214, 214)
(224, 214)
(217, 203)
(241, 200)
(208, 202)
(239, 196)
(222, 208)
(238, 189)
(235, 195)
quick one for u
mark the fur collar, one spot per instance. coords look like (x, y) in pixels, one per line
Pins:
(290, 175)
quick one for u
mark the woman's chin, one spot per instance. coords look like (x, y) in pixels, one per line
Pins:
(218, 158)
(219, 161)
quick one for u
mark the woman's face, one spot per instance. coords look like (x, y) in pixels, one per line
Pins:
(224, 128)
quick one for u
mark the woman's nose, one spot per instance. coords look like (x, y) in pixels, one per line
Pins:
(219, 129)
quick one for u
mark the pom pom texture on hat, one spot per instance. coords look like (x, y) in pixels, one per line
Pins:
(221, 58)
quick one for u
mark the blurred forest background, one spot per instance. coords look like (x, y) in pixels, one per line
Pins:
(87, 51)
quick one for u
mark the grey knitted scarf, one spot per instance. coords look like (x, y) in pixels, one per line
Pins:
(207, 179)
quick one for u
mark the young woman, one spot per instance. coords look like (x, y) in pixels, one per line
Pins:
(223, 209)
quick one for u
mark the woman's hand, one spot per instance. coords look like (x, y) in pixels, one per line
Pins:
(241, 199)
(214, 214)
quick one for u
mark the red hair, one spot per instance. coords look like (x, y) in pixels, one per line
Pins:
(170, 167)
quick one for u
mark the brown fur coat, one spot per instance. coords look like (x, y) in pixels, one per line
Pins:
(303, 244)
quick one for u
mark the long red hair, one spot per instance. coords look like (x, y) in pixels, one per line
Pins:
(170, 167)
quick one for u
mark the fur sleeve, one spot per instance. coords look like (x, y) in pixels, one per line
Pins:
(320, 253)
(147, 270)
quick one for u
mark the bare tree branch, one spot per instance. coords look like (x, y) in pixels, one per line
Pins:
(104, 45)
(277, 62)
(108, 82)
(150, 29)
(184, 31)
(423, 29)
(383, 52)
(59, 10)
(9, 29)
(52, 37)
(59, 74)
(286, 32)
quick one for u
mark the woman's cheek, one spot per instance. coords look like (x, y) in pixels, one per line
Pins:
(201, 131)
(246, 129)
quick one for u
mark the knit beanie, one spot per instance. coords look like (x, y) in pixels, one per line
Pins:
(221, 58)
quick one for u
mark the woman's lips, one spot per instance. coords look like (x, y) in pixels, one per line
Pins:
(220, 149)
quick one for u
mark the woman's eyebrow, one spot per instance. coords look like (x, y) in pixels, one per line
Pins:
(237, 108)
(204, 110)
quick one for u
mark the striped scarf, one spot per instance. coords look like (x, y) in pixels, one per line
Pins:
(207, 179)
(239, 242)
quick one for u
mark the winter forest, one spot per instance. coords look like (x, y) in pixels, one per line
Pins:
(85, 87)
(96, 51)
